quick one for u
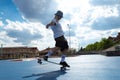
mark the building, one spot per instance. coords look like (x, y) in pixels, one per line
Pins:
(117, 38)
(18, 52)
(112, 51)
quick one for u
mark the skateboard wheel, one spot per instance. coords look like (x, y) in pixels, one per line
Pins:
(39, 61)
(63, 68)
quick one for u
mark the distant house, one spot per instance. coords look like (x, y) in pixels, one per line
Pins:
(117, 38)
(18, 52)
(117, 48)
(112, 51)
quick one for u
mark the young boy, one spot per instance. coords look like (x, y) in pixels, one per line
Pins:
(61, 42)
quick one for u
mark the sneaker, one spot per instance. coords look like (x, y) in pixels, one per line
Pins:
(64, 64)
(45, 58)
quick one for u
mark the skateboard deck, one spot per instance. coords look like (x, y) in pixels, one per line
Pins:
(40, 61)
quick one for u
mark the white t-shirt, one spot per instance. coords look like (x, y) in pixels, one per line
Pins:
(57, 29)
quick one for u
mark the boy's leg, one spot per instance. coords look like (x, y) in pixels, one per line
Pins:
(63, 58)
(47, 55)
(63, 62)
(50, 52)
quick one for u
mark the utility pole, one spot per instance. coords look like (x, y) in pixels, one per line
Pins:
(69, 36)
(1, 52)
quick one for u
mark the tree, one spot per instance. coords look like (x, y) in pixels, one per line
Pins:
(103, 44)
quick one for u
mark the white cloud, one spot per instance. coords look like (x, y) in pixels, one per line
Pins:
(89, 20)
(104, 2)
(1, 24)
(69, 6)
(86, 35)
(26, 34)
(8, 41)
(75, 12)
(40, 11)
(106, 23)
(104, 12)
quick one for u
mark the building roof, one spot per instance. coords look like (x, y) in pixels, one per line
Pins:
(111, 48)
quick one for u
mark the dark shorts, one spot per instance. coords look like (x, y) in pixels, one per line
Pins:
(62, 43)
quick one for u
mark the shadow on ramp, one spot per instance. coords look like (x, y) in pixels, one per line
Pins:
(48, 75)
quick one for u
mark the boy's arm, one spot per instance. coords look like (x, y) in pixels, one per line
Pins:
(50, 24)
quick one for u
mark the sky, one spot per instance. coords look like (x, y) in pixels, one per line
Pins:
(22, 22)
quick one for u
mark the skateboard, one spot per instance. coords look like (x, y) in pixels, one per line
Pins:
(62, 68)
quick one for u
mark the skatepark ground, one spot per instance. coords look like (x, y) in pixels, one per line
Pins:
(84, 67)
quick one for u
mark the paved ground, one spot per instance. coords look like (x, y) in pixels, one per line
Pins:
(86, 67)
